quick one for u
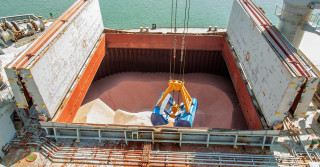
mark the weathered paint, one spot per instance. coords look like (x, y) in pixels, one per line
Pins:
(248, 109)
(298, 64)
(286, 52)
(33, 91)
(35, 46)
(306, 97)
(164, 41)
(274, 85)
(49, 33)
(49, 75)
(76, 94)
(16, 88)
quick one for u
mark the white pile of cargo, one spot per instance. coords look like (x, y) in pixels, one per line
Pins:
(97, 112)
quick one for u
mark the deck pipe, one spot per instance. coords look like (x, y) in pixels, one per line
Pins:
(49, 147)
(152, 159)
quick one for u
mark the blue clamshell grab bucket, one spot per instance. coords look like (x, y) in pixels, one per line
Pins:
(160, 115)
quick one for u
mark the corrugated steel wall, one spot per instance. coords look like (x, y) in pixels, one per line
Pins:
(119, 60)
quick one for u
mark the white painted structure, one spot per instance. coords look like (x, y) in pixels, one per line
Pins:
(294, 15)
(7, 130)
(50, 73)
(273, 82)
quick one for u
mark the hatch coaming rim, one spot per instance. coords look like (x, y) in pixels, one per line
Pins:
(158, 129)
(125, 31)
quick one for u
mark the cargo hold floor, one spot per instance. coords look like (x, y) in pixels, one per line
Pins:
(137, 92)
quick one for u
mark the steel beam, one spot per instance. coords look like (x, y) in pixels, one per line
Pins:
(262, 138)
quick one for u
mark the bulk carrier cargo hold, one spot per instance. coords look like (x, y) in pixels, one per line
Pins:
(254, 92)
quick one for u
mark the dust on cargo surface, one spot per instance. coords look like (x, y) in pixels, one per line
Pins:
(133, 92)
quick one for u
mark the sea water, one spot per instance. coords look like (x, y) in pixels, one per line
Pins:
(124, 14)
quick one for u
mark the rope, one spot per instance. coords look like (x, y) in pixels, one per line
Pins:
(170, 56)
(175, 19)
(175, 40)
(171, 13)
(184, 62)
(183, 50)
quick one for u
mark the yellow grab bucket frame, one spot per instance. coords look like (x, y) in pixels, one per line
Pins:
(177, 85)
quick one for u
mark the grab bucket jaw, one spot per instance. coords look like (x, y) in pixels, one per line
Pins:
(186, 119)
(160, 115)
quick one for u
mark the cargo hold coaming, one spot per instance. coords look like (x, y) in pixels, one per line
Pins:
(266, 85)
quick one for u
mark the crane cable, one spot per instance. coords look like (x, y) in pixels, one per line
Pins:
(184, 62)
(175, 42)
(175, 39)
(183, 48)
(170, 56)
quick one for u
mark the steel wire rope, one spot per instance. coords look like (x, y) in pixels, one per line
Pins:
(175, 38)
(175, 41)
(182, 47)
(170, 55)
(185, 52)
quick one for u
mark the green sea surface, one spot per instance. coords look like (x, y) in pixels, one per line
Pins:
(124, 14)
